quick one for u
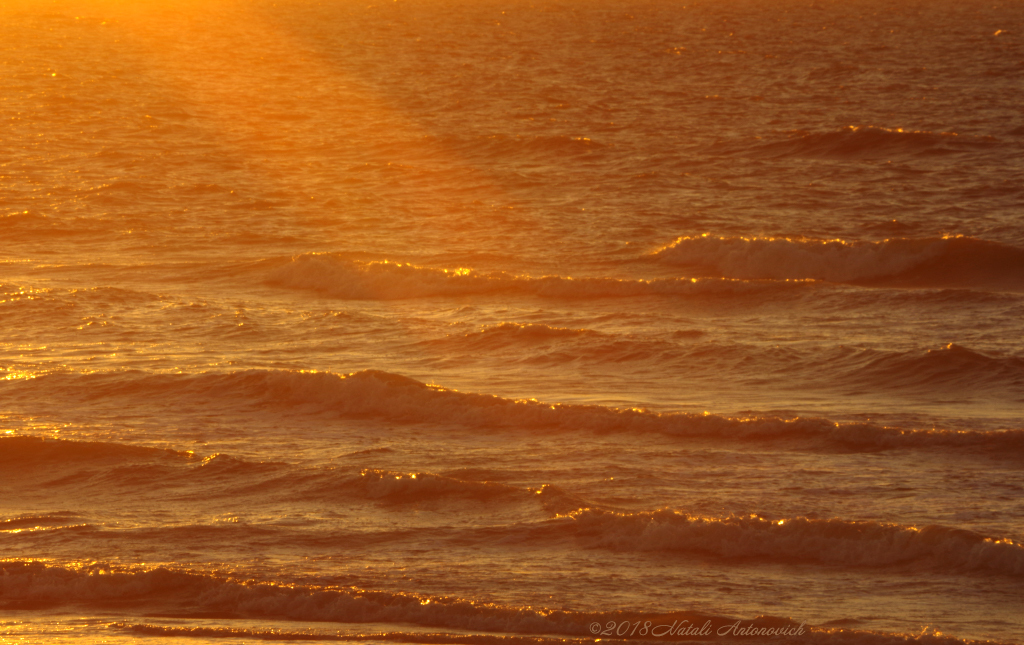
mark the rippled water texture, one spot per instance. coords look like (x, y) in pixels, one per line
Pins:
(511, 323)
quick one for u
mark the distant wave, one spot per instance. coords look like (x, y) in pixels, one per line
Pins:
(871, 142)
(799, 540)
(535, 147)
(377, 394)
(917, 262)
(386, 280)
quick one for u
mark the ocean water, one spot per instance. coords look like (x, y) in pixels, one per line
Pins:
(521, 323)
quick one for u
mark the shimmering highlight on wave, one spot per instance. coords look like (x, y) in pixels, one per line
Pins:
(814, 636)
(187, 594)
(530, 331)
(320, 635)
(921, 262)
(411, 487)
(34, 584)
(377, 394)
(115, 465)
(872, 142)
(386, 280)
(803, 540)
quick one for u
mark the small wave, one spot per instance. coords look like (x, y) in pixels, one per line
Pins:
(534, 344)
(184, 594)
(18, 218)
(530, 331)
(377, 394)
(688, 334)
(88, 463)
(810, 635)
(219, 465)
(22, 451)
(386, 280)
(830, 542)
(513, 335)
(955, 261)
(34, 584)
(369, 451)
(59, 519)
(871, 142)
(35, 306)
(402, 487)
(536, 148)
(140, 467)
(952, 365)
(282, 635)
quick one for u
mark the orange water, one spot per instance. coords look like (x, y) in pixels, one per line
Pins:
(448, 321)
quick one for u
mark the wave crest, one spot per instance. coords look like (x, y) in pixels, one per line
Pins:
(26, 585)
(34, 585)
(832, 542)
(872, 142)
(952, 261)
(377, 394)
(952, 366)
(34, 450)
(410, 487)
(386, 280)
